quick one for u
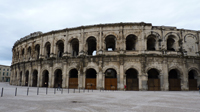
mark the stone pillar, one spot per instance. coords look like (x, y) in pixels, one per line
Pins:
(121, 77)
(80, 80)
(161, 82)
(184, 77)
(103, 81)
(64, 75)
(51, 77)
(124, 79)
(165, 84)
(84, 78)
(140, 82)
(30, 77)
(39, 77)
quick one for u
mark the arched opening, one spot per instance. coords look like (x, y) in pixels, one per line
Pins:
(110, 79)
(73, 78)
(151, 43)
(58, 78)
(170, 44)
(91, 43)
(20, 78)
(47, 49)
(26, 78)
(90, 82)
(35, 77)
(22, 52)
(29, 53)
(37, 51)
(60, 48)
(110, 42)
(45, 79)
(153, 80)
(132, 79)
(192, 80)
(75, 47)
(130, 42)
(174, 80)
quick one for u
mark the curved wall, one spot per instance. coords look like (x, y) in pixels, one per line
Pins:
(160, 56)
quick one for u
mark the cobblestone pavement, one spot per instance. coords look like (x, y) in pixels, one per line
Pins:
(96, 101)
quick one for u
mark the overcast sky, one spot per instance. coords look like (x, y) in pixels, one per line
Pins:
(19, 18)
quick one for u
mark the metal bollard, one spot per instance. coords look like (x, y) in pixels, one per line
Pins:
(16, 92)
(2, 92)
(37, 90)
(46, 90)
(27, 91)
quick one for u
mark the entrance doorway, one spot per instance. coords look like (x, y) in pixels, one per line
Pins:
(73, 78)
(58, 78)
(35, 77)
(132, 80)
(45, 78)
(174, 80)
(90, 82)
(153, 80)
(110, 79)
(192, 80)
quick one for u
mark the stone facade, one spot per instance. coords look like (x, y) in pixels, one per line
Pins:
(118, 51)
(5, 72)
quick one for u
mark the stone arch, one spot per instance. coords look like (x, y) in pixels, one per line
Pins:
(110, 43)
(72, 38)
(58, 74)
(45, 78)
(154, 67)
(37, 51)
(172, 33)
(60, 48)
(47, 49)
(91, 36)
(179, 69)
(90, 78)
(34, 78)
(131, 41)
(91, 45)
(73, 78)
(27, 77)
(196, 69)
(190, 35)
(131, 66)
(111, 66)
(157, 35)
(110, 79)
(132, 82)
(175, 78)
(107, 34)
(74, 46)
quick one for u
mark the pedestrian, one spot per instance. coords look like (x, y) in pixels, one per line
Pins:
(199, 88)
(124, 87)
(58, 86)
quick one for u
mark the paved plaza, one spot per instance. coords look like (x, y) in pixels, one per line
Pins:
(96, 101)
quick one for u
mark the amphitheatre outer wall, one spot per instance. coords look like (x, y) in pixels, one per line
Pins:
(109, 56)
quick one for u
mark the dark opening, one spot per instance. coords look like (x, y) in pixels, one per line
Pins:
(131, 74)
(191, 74)
(60, 46)
(173, 74)
(130, 42)
(153, 74)
(110, 43)
(48, 48)
(170, 44)
(110, 73)
(58, 78)
(35, 77)
(27, 77)
(151, 42)
(22, 52)
(91, 41)
(29, 53)
(91, 73)
(75, 47)
(37, 49)
(73, 73)
(45, 79)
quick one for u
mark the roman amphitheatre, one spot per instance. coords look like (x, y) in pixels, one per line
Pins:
(138, 56)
